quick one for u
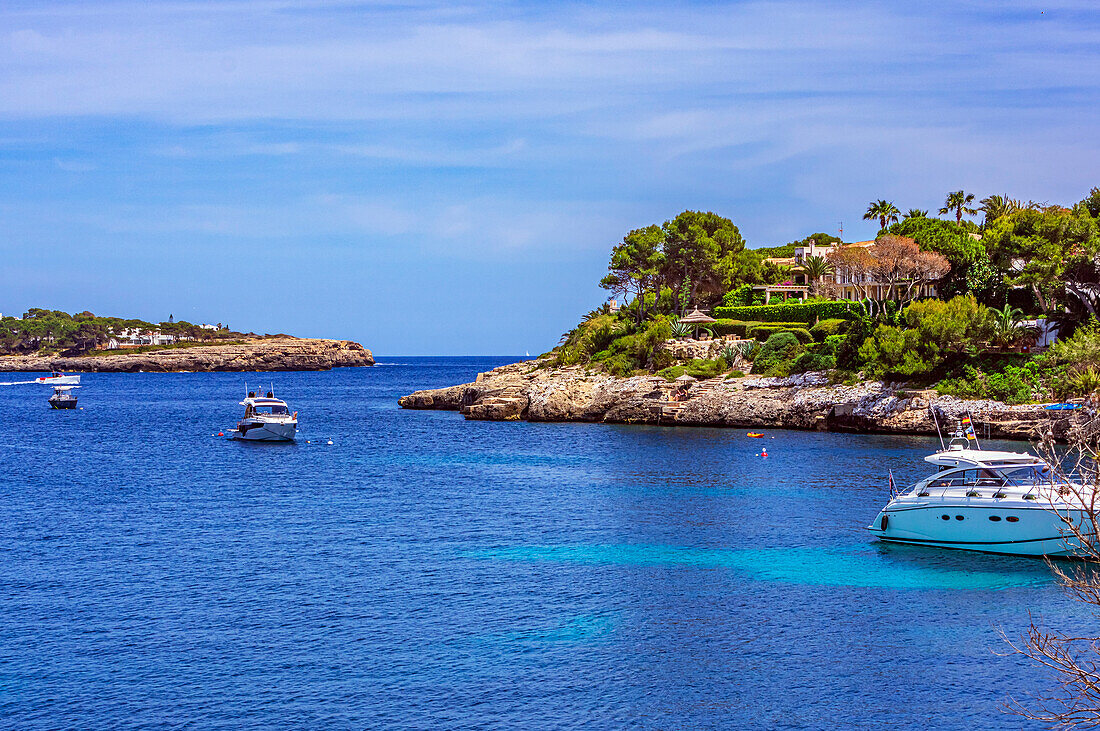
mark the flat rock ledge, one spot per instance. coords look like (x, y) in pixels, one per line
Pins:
(268, 354)
(524, 391)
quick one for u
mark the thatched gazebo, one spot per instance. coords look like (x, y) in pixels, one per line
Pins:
(697, 318)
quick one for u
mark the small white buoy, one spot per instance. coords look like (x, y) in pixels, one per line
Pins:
(330, 441)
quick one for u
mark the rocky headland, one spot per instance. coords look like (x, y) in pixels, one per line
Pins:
(261, 354)
(526, 391)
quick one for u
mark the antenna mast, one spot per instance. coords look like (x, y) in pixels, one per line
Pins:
(937, 422)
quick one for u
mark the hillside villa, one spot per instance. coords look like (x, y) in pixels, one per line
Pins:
(849, 285)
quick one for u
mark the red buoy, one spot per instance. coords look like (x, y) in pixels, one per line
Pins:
(220, 434)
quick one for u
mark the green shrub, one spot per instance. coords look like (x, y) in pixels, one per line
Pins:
(828, 328)
(831, 345)
(802, 334)
(588, 338)
(619, 365)
(1013, 384)
(891, 350)
(1084, 382)
(740, 328)
(847, 355)
(813, 362)
(935, 333)
(735, 374)
(763, 332)
(777, 354)
(807, 312)
(1080, 350)
(740, 297)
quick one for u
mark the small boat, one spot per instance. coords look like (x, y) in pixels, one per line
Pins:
(755, 435)
(58, 379)
(1010, 503)
(266, 419)
(62, 398)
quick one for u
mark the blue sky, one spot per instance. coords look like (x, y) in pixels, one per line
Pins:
(448, 178)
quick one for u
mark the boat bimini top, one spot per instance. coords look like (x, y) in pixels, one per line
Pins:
(956, 455)
(256, 404)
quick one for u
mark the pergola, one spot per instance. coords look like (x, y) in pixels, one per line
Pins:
(801, 290)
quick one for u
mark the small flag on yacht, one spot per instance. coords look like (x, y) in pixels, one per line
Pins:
(891, 482)
(970, 435)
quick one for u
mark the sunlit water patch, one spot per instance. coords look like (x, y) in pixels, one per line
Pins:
(862, 566)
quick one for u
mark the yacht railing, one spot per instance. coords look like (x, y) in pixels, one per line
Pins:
(994, 487)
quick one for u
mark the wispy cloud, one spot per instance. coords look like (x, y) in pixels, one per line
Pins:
(490, 131)
(73, 166)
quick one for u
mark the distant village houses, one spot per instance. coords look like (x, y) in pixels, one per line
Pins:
(137, 338)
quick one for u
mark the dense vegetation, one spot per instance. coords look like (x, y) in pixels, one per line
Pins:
(54, 331)
(1023, 261)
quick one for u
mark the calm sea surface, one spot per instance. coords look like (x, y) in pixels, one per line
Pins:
(427, 572)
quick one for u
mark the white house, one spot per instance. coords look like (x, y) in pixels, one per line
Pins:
(134, 338)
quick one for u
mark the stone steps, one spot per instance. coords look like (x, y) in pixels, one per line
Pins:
(671, 409)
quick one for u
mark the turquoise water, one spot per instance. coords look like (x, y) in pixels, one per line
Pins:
(427, 572)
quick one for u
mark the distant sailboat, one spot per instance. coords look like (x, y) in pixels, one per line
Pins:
(527, 353)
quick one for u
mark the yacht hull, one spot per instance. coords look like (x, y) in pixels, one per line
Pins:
(265, 431)
(58, 380)
(1017, 530)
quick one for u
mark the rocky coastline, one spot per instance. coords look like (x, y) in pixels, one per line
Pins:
(526, 391)
(262, 354)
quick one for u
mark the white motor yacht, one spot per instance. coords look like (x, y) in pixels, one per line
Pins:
(984, 500)
(58, 379)
(266, 419)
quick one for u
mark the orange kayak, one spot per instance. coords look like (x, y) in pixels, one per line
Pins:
(755, 434)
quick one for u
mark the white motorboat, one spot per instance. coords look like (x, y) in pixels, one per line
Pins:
(63, 397)
(266, 419)
(58, 379)
(991, 501)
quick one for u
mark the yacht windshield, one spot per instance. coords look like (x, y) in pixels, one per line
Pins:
(1035, 474)
(278, 409)
(976, 477)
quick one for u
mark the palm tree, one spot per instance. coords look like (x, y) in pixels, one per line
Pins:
(815, 267)
(996, 206)
(1007, 325)
(885, 211)
(916, 213)
(959, 202)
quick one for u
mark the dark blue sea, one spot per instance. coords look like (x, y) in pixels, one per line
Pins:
(425, 572)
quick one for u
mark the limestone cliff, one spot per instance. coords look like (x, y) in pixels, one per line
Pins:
(807, 401)
(265, 354)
